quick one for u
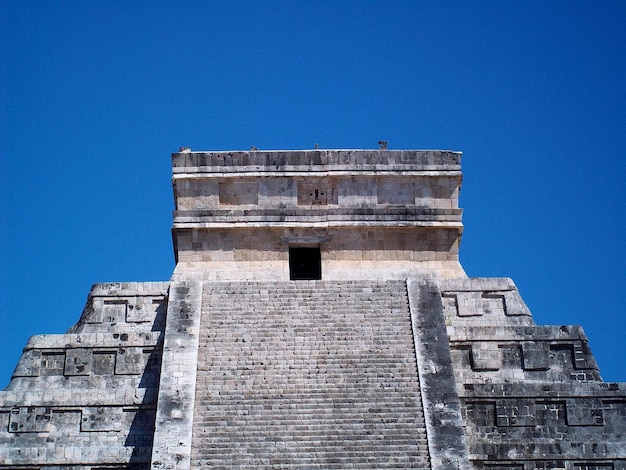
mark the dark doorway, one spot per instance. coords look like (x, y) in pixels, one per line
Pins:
(305, 263)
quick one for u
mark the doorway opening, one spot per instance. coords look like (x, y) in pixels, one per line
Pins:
(305, 263)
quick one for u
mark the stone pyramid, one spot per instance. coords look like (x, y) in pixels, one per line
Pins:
(317, 318)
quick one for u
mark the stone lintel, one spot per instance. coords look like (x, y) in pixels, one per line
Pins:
(514, 333)
(349, 159)
(322, 224)
(564, 389)
(59, 399)
(92, 340)
(196, 173)
(129, 289)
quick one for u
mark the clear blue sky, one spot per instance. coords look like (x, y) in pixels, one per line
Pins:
(95, 95)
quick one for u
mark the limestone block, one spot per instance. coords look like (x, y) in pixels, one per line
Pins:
(494, 304)
(551, 412)
(516, 412)
(278, 192)
(30, 419)
(65, 421)
(536, 355)
(481, 413)
(317, 191)
(585, 412)
(101, 418)
(511, 356)
(486, 356)
(469, 304)
(235, 192)
(195, 194)
(599, 466)
(582, 356)
(395, 190)
(78, 361)
(52, 363)
(129, 361)
(103, 362)
(113, 311)
(29, 364)
(514, 304)
(357, 191)
(141, 309)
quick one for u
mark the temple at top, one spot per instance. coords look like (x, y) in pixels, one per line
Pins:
(318, 214)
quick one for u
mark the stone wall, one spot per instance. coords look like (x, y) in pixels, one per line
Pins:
(374, 214)
(89, 396)
(531, 396)
(263, 253)
(291, 192)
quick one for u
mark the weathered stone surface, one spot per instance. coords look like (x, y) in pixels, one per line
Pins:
(389, 358)
(308, 374)
(88, 398)
(385, 215)
(172, 439)
(540, 403)
(444, 427)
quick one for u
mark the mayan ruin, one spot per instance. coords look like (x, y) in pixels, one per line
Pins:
(318, 317)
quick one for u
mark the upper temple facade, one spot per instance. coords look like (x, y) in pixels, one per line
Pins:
(317, 318)
(357, 214)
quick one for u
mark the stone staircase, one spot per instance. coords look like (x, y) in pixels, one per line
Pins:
(307, 374)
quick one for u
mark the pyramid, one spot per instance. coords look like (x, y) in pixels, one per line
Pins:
(317, 318)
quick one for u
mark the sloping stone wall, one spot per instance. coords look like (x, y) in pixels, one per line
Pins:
(531, 396)
(87, 398)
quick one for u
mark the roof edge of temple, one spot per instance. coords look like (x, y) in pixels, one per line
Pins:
(278, 159)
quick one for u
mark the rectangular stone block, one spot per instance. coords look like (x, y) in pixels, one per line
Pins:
(65, 421)
(29, 364)
(354, 191)
(317, 191)
(486, 356)
(482, 413)
(511, 356)
(396, 191)
(52, 363)
(516, 412)
(238, 192)
(494, 305)
(114, 311)
(101, 418)
(585, 412)
(140, 309)
(469, 304)
(78, 362)
(580, 357)
(103, 362)
(514, 304)
(30, 419)
(551, 412)
(536, 355)
(129, 361)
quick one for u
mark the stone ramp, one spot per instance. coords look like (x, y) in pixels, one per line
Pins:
(307, 374)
